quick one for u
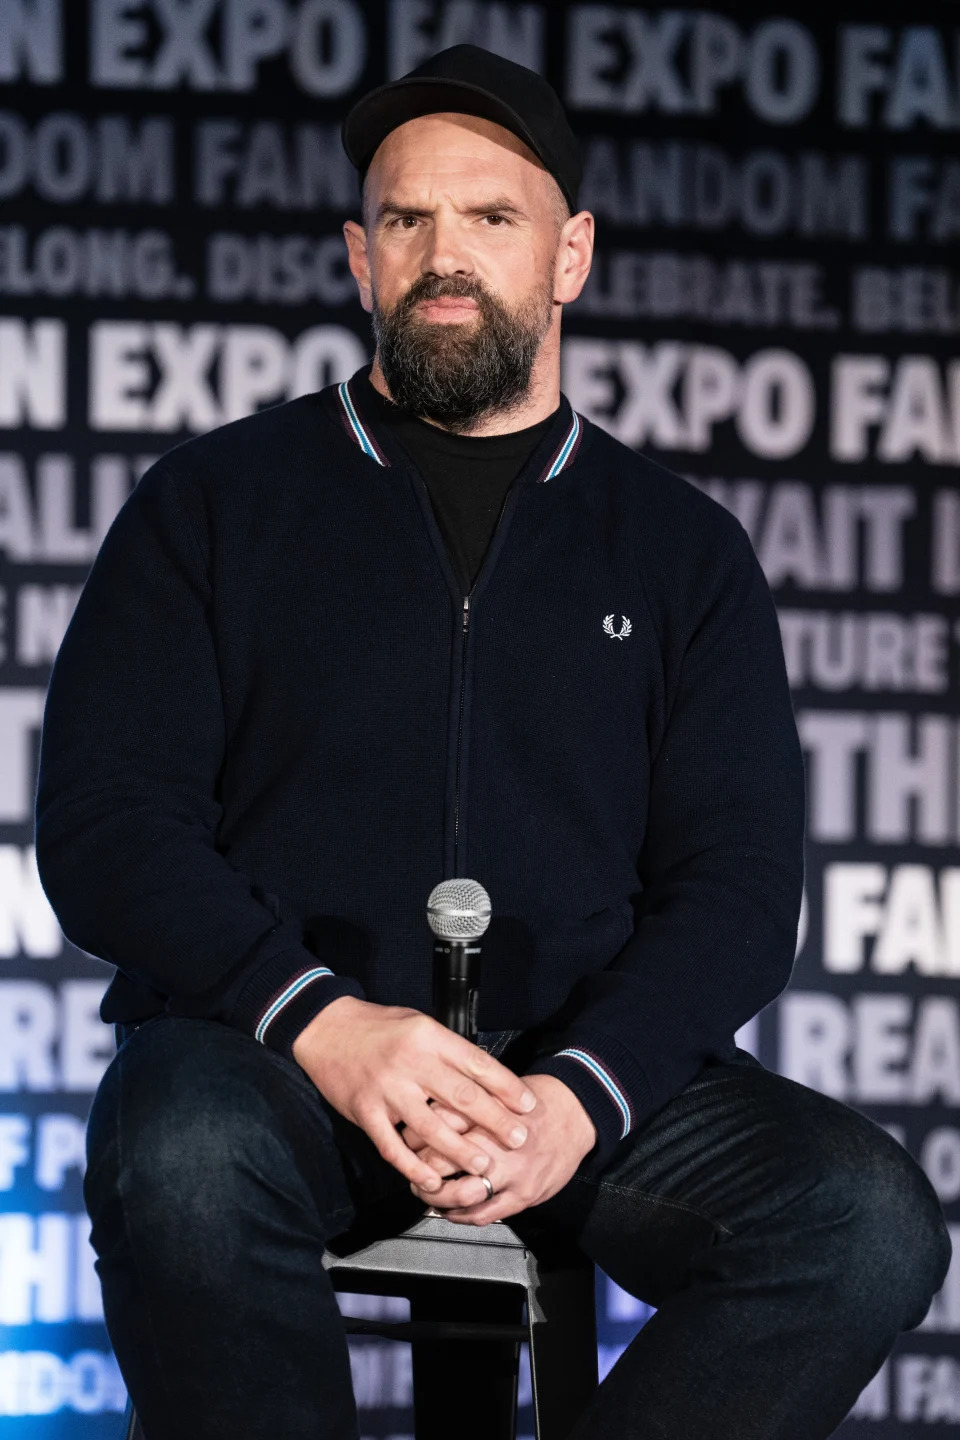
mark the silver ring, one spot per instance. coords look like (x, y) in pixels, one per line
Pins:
(489, 1186)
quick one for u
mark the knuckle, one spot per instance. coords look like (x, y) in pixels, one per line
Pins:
(386, 1149)
(420, 1027)
(409, 1040)
(460, 1153)
(436, 1134)
(466, 1093)
(363, 1110)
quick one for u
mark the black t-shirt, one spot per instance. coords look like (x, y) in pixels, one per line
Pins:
(467, 476)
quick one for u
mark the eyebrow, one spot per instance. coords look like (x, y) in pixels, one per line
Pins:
(499, 206)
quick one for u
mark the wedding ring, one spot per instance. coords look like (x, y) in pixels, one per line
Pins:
(488, 1185)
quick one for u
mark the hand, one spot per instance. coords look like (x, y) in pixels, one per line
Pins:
(381, 1064)
(560, 1133)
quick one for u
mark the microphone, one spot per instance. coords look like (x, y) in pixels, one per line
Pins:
(458, 912)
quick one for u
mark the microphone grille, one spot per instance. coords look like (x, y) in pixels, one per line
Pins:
(458, 910)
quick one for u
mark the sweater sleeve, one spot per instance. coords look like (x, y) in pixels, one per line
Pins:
(721, 869)
(131, 750)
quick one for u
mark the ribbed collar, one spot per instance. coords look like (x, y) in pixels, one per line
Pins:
(555, 452)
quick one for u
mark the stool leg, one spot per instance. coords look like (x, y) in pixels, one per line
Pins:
(133, 1429)
(466, 1388)
(563, 1350)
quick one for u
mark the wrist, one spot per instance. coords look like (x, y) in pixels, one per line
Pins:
(588, 1129)
(333, 1014)
(578, 1122)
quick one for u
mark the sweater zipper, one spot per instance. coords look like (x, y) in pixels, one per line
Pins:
(463, 672)
(464, 629)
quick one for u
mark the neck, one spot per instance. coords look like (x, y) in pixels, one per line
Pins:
(541, 399)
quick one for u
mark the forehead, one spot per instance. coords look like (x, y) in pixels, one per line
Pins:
(449, 148)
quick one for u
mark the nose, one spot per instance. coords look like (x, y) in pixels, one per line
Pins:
(445, 251)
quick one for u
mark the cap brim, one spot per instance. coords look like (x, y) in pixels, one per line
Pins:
(375, 114)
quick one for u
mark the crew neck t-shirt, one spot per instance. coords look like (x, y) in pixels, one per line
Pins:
(467, 476)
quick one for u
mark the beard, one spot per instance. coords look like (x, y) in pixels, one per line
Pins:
(455, 372)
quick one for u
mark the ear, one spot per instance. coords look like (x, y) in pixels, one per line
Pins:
(574, 256)
(356, 238)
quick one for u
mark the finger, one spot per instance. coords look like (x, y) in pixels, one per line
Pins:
(469, 1190)
(463, 1055)
(415, 1141)
(466, 1154)
(459, 1189)
(453, 1118)
(447, 1169)
(394, 1149)
(459, 1092)
(498, 1207)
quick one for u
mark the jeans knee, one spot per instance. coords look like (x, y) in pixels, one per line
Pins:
(896, 1249)
(920, 1231)
(187, 1173)
(195, 1137)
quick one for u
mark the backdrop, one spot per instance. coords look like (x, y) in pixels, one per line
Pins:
(772, 312)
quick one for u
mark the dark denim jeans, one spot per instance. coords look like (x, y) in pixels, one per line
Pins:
(785, 1239)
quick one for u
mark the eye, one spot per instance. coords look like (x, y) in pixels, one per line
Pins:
(498, 218)
(400, 220)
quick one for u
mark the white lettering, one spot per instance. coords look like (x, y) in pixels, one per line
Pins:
(31, 42)
(33, 374)
(769, 396)
(256, 364)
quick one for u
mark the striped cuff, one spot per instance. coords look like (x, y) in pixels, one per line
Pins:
(607, 1081)
(609, 1084)
(285, 994)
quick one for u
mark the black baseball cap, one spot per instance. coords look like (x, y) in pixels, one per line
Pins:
(470, 81)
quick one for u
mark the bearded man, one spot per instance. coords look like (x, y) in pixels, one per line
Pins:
(428, 623)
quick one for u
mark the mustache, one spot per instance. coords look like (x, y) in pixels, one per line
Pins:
(440, 287)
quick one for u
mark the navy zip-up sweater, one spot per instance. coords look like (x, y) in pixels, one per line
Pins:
(274, 724)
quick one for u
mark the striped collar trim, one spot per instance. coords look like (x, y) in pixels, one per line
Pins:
(565, 452)
(355, 426)
(361, 435)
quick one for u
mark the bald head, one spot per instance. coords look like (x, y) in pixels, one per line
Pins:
(463, 149)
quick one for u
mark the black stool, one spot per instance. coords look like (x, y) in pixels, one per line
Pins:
(472, 1283)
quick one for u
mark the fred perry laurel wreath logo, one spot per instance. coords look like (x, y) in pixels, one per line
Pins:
(620, 634)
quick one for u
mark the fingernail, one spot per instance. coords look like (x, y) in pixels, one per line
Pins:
(480, 1162)
(432, 1184)
(518, 1135)
(527, 1100)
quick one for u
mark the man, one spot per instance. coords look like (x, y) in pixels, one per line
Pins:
(425, 623)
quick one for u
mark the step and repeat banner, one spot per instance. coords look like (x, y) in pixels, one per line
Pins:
(773, 312)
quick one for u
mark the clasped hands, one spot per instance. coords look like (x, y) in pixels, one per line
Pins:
(558, 1133)
(435, 1104)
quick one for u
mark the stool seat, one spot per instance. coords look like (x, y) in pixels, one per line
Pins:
(468, 1288)
(467, 1282)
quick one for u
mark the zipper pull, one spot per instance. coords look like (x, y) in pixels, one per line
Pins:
(466, 610)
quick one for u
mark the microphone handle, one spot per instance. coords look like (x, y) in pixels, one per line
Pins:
(456, 985)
